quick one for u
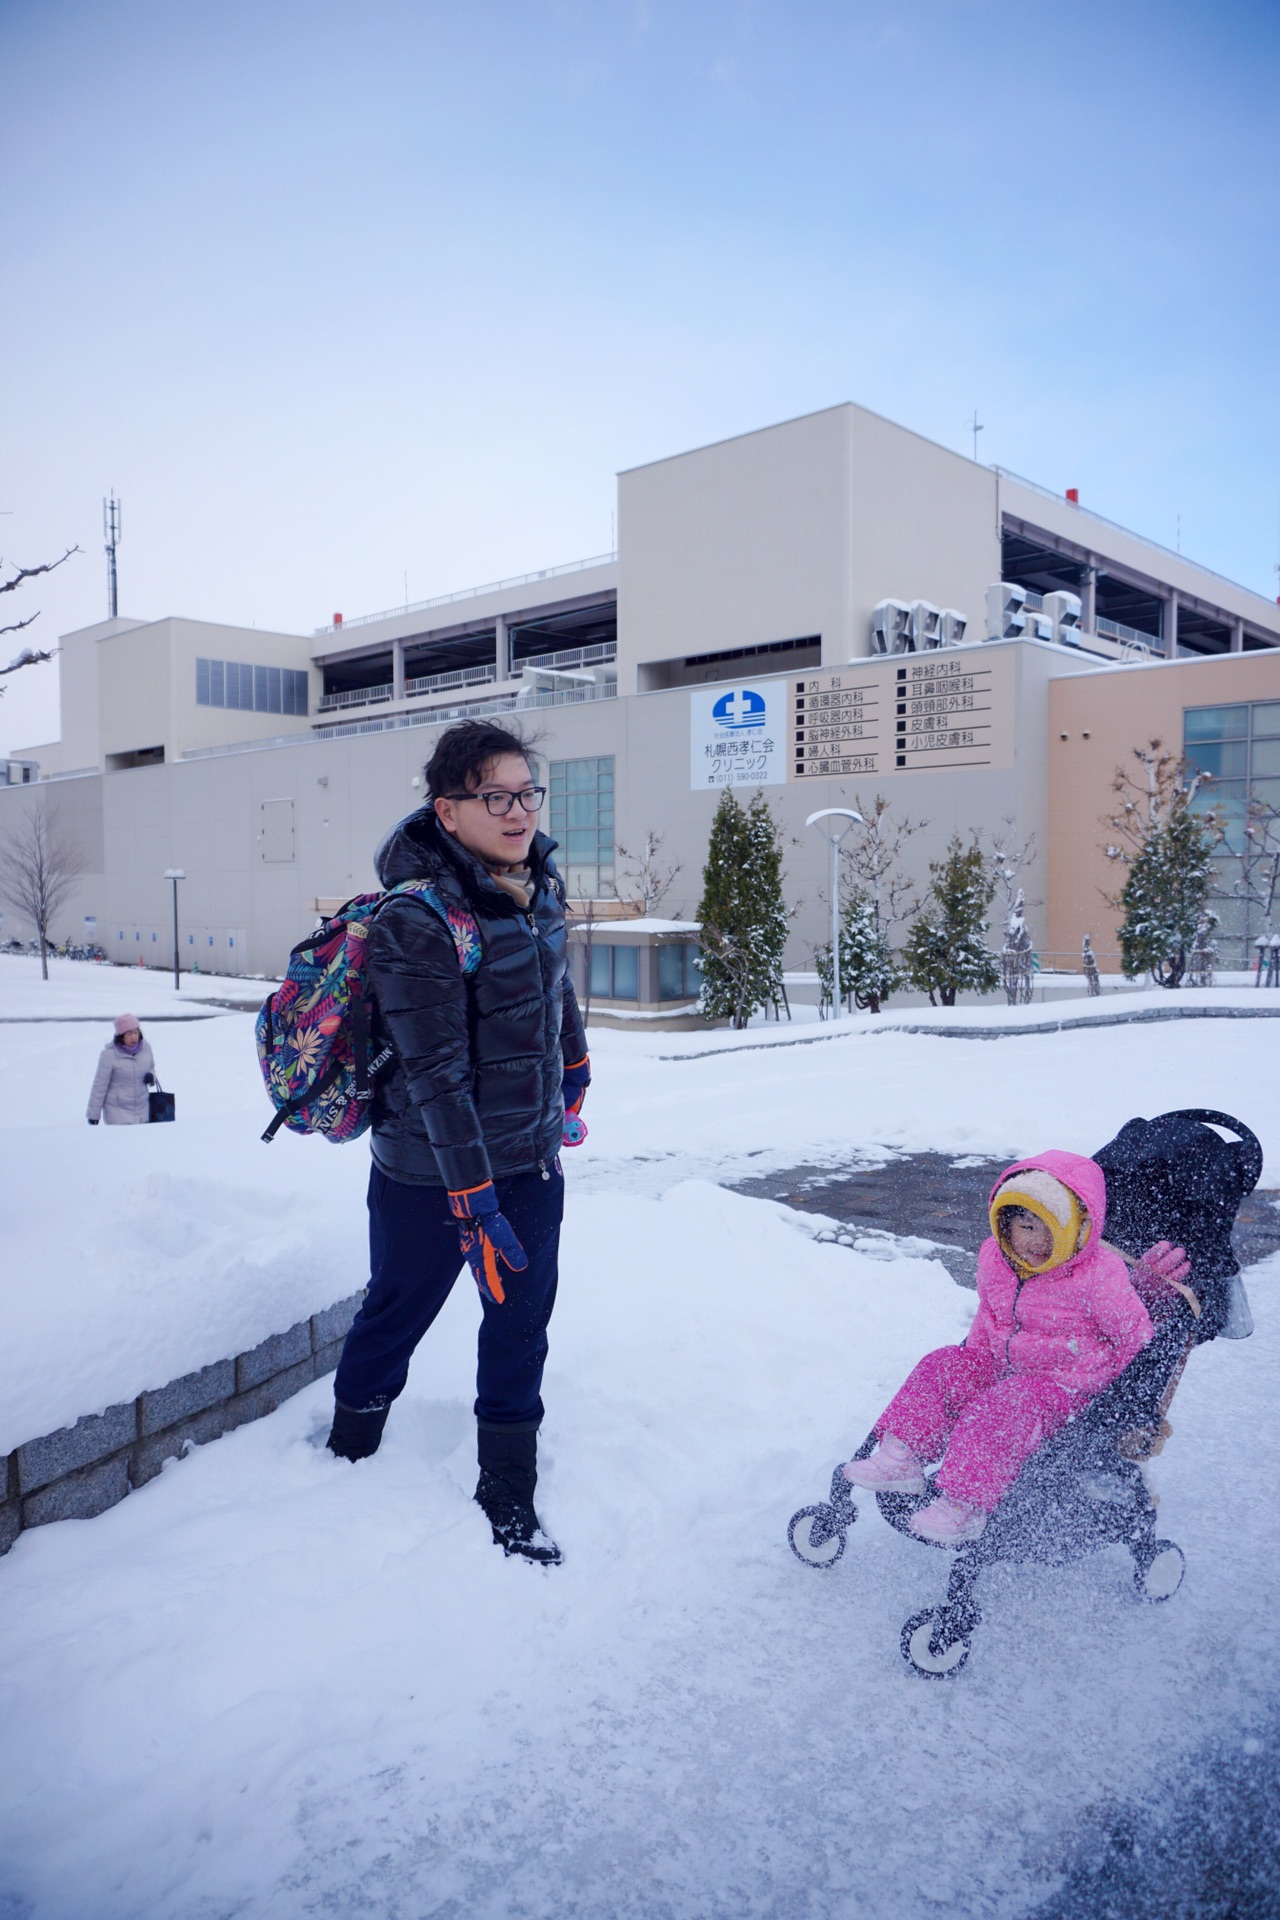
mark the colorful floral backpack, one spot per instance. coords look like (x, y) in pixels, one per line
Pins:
(315, 1032)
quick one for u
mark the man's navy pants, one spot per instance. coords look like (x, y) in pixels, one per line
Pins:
(414, 1259)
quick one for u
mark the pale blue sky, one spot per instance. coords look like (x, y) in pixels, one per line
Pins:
(331, 293)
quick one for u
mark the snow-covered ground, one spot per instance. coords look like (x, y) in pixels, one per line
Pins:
(270, 1684)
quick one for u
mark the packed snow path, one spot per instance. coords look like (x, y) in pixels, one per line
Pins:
(271, 1684)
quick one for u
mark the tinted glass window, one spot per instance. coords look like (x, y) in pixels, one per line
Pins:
(1215, 723)
(626, 973)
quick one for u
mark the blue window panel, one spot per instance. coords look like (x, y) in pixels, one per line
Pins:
(202, 683)
(1215, 723)
(273, 690)
(1265, 759)
(582, 847)
(1266, 717)
(261, 694)
(671, 973)
(601, 972)
(217, 683)
(582, 810)
(581, 776)
(1224, 759)
(626, 973)
(301, 692)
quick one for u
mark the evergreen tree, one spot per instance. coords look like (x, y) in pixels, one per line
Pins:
(1165, 897)
(1167, 844)
(867, 967)
(742, 914)
(945, 952)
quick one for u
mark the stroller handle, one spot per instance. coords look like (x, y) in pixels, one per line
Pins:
(1251, 1168)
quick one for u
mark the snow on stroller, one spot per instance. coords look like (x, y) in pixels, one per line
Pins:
(1172, 1178)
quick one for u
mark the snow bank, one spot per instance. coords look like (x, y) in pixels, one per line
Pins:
(135, 1255)
(271, 1684)
(78, 989)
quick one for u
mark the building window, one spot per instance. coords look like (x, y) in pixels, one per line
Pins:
(582, 823)
(1239, 747)
(230, 683)
(615, 973)
(679, 976)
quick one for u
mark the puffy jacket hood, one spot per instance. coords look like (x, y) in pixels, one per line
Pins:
(418, 848)
(1082, 1177)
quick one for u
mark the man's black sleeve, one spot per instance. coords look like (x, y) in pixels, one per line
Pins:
(422, 998)
(573, 1035)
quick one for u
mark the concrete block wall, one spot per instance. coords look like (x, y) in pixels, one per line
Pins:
(82, 1470)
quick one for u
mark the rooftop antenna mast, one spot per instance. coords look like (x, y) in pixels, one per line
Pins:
(975, 427)
(111, 524)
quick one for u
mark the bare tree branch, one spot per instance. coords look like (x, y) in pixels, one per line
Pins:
(29, 657)
(29, 573)
(17, 627)
(649, 877)
(38, 868)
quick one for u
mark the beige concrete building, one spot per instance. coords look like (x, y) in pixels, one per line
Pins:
(829, 608)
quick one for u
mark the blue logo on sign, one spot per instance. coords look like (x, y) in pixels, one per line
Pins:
(741, 710)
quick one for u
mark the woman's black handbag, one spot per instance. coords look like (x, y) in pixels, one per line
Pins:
(160, 1105)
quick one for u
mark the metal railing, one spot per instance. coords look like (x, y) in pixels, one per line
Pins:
(470, 709)
(457, 677)
(470, 593)
(569, 657)
(1127, 636)
(72, 773)
(354, 697)
(424, 683)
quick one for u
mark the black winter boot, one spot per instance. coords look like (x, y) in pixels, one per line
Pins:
(354, 1436)
(508, 1475)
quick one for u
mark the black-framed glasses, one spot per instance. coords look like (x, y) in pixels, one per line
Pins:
(499, 802)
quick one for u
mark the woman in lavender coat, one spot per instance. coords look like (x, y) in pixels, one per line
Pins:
(125, 1076)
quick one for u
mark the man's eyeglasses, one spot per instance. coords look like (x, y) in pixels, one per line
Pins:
(500, 803)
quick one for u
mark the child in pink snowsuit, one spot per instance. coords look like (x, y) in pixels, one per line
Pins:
(1058, 1320)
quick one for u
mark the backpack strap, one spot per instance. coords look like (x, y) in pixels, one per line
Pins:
(464, 928)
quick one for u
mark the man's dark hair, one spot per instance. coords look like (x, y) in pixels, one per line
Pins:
(463, 752)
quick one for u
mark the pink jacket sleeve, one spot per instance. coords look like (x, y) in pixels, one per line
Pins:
(984, 1334)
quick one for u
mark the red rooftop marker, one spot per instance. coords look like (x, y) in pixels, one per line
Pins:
(1073, 495)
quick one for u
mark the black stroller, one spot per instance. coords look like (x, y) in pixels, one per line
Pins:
(1172, 1178)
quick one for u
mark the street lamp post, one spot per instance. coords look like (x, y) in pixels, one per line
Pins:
(175, 874)
(833, 823)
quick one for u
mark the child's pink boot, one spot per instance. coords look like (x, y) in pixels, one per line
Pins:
(892, 1468)
(949, 1522)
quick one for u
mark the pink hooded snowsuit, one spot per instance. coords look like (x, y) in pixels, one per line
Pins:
(1038, 1350)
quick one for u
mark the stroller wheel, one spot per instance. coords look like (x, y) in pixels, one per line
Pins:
(816, 1536)
(1158, 1571)
(928, 1650)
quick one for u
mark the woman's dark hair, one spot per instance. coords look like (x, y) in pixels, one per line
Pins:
(463, 752)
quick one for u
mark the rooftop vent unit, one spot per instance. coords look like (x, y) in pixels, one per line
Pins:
(1063, 610)
(1006, 611)
(917, 626)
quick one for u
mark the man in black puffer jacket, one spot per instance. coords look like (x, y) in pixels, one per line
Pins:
(489, 1069)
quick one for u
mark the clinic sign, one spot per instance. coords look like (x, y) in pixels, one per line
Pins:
(738, 735)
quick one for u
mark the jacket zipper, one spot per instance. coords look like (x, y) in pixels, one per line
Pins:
(1014, 1328)
(533, 929)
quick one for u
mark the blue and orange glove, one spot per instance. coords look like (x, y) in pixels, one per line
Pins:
(486, 1238)
(577, 1078)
